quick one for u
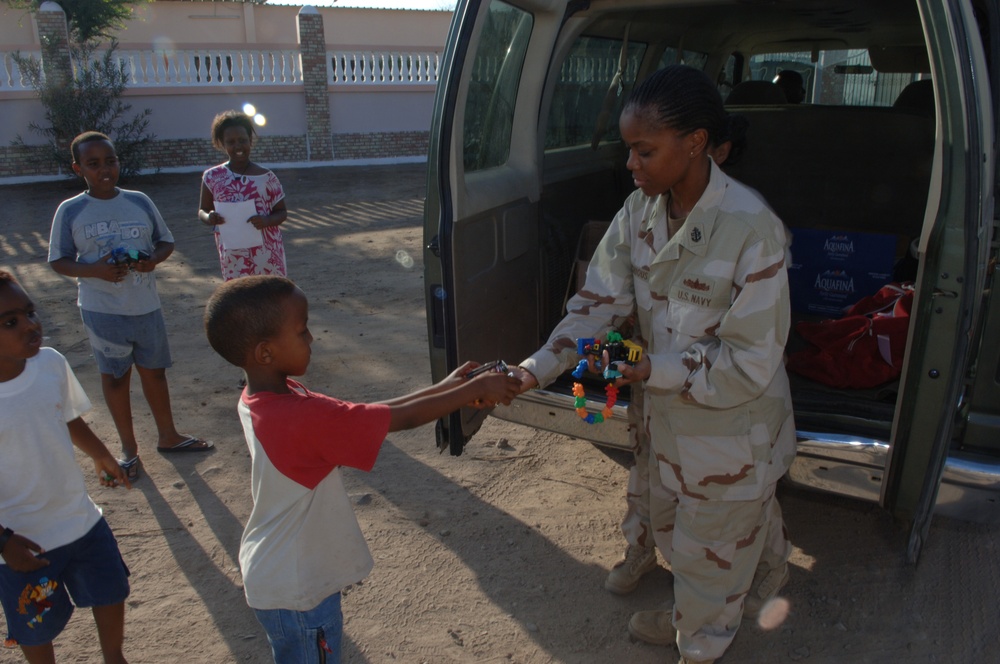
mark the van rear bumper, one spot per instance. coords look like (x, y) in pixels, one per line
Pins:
(834, 463)
(554, 411)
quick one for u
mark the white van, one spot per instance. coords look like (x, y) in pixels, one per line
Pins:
(888, 164)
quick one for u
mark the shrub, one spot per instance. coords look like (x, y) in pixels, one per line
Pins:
(92, 100)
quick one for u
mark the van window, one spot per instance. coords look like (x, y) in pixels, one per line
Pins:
(578, 97)
(496, 72)
(584, 80)
(671, 56)
(835, 77)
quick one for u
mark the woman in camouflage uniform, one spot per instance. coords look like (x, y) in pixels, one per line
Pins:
(699, 259)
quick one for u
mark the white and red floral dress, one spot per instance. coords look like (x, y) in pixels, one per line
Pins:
(265, 191)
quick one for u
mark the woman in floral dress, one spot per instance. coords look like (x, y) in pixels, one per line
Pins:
(238, 180)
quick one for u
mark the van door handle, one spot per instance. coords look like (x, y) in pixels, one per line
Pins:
(434, 247)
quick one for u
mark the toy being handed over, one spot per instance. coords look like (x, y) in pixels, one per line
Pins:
(496, 366)
(602, 357)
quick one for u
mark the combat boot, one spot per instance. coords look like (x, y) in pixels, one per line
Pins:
(625, 575)
(656, 627)
(766, 584)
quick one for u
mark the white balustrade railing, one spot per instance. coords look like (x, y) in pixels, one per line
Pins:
(11, 79)
(228, 67)
(382, 68)
(212, 67)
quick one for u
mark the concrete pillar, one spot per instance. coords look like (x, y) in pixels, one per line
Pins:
(312, 47)
(249, 23)
(53, 35)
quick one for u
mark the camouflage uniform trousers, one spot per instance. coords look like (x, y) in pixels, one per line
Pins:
(701, 540)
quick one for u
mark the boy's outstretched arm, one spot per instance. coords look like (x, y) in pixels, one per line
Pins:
(455, 391)
(456, 377)
(104, 462)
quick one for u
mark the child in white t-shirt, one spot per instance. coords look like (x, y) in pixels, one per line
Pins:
(53, 537)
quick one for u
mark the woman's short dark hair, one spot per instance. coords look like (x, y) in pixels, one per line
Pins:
(681, 98)
(736, 133)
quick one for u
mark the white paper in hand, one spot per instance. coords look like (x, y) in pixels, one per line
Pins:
(236, 233)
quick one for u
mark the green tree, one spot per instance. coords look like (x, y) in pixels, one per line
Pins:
(88, 19)
(92, 100)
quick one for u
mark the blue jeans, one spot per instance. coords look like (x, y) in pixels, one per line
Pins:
(305, 637)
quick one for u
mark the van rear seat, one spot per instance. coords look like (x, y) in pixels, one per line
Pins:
(881, 158)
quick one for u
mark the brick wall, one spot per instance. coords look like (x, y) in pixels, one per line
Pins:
(199, 152)
(288, 149)
(383, 144)
(27, 161)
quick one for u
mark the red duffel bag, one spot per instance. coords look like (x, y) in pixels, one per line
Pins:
(862, 349)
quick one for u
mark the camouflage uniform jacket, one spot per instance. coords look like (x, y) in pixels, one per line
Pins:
(712, 309)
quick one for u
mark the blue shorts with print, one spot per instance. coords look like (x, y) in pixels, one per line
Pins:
(305, 637)
(118, 341)
(37, 605)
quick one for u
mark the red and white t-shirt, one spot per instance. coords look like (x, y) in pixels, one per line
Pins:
(302, 542)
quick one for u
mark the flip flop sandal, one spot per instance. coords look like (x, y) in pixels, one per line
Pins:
(130, 468)
(191, 444)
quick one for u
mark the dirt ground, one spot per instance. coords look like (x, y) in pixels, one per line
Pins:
(495, 556)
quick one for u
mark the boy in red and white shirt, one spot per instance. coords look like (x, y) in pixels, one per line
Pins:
(302, 544)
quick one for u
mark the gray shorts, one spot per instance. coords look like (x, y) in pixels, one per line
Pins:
(119, 341)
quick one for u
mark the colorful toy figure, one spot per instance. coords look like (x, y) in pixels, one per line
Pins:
(127, 256)
(602, 357)
(611, 351)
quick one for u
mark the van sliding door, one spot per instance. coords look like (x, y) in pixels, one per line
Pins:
(481, 213)
(950, 282)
